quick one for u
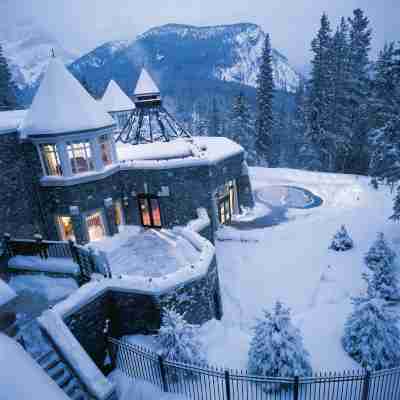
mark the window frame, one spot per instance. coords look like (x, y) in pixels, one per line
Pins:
(72, 153)
(45, 164)
(103, 218)
(61, 232)
(106, 141)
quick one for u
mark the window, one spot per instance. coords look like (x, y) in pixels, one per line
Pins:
(227, 202)
(119, 214)
(122, 119)
(150, 213)
(80, 156)
(106, 149)
(65, 228)
(51, 159)
(95, 226)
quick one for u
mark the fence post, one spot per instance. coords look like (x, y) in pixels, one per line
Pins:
(72, 248)
(296, 385)
(163, 374)
(367, 381)
(39, 242)
(227, 385)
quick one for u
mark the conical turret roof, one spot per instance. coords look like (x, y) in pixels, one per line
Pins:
(145, 84)
(62, 105)
(114, 99)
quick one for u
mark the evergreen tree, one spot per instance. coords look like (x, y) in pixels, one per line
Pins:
(341, 240)
(241, 128)
(359, 91)
(265, 94)
(7, 89)
(215, 119)
(319, 107)
(178, 340)
(383, 279)
(371, 335)
(276, 348)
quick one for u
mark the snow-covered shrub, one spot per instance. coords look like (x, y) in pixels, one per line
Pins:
(380, 259)
(178, 340)
(341, 240)
(276, 348)
(371, 336)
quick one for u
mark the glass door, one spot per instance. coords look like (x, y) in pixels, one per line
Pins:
(150, 213)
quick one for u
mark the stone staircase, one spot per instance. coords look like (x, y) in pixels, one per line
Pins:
(56, 368)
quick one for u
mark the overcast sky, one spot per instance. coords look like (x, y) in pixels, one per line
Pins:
(84, 24)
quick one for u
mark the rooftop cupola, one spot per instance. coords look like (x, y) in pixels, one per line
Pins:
(71, 131)
(147, 94)
(150, 121)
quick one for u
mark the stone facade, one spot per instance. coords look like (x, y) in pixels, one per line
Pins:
(19, 214)
(135, 312)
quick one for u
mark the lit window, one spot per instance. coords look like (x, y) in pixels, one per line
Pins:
(106, 149)
(65, 228)
(149, 207)
(80, 156)
(119, 215)
(95, 226)
(51, 159)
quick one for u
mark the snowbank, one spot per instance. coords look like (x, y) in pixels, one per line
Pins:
(21, 378)
(10, 120)
(51, 264)
(6, 293)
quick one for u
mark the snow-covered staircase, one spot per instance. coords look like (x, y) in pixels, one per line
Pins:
(56, 368)
(41, 349)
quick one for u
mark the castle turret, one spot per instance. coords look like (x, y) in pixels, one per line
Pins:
(117, 104)
(71, 131)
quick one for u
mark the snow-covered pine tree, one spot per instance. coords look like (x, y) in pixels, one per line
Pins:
(359, 92)
(265, 94)
(380, 259)
(341, 241)
(319, 105)
(371, 336)
(214, 128)
(241, 128)
(8, 100)
(178, 340)
(277, 348)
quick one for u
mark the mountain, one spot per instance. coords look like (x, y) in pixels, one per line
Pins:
(27, 48)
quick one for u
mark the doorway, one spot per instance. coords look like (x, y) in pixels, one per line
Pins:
(150, 212)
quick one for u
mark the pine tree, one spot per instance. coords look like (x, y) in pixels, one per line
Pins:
(178, 340)
(215, 119)
(359, 92)
(319, 107)
(7, 89)
(276, 348)
(341, 240)
(371, 336)
(265, 94)
(383, 278)
(241, 127)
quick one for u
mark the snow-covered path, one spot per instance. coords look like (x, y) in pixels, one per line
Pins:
(292, 262)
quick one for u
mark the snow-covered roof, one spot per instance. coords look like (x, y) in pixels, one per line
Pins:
(10, 120)
(177, 153)
(114, 99)
(21, 377)
(145, 84)
(6, 293)
(62, 105)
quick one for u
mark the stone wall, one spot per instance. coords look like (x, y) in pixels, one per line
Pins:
(18, 196)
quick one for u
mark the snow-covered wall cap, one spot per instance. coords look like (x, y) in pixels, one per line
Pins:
(145, 84)
(114, 99)
(10, 120)
(62, 105)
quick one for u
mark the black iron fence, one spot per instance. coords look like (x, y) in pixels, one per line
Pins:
(208, 383)
(89, 261)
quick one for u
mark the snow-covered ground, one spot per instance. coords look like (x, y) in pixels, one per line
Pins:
(291, 262)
